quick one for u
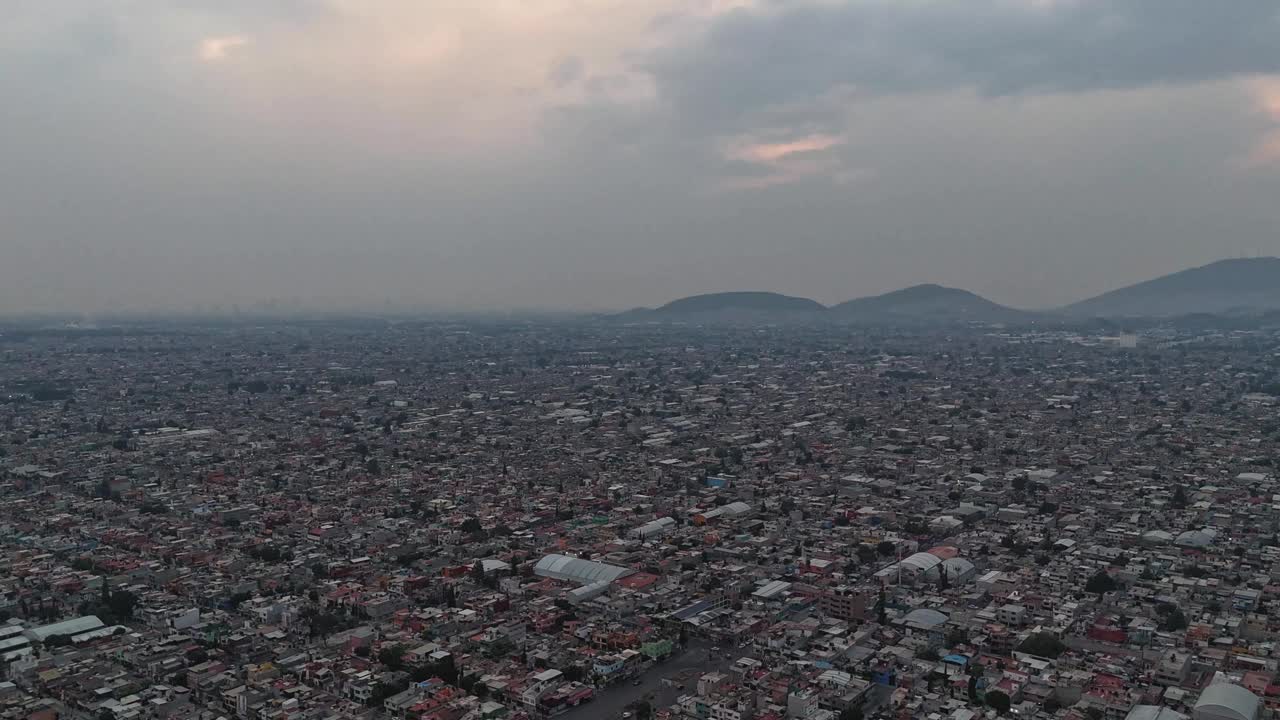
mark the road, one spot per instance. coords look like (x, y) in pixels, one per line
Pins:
(1150, 654)
(684, 668)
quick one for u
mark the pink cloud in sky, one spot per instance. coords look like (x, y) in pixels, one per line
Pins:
(1266, 96)
(213, 49)
(766, 153)
(782, 162)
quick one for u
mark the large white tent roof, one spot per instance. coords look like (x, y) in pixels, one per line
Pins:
(1224, 700)
(564, 567)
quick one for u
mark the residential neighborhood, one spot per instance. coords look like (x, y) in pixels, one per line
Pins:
(527, 520)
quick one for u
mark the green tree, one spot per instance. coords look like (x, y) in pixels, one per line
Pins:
(1100, 584)
(1171, 617)
(392, 656)
(1042, 644)
(998, 701)
(57, 641)
(122, 604)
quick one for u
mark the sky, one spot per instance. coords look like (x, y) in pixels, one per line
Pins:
(202, 155)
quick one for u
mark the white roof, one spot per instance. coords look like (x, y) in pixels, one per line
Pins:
(922, 562)
(772, 589)
(656, 525)
(1196, 538)
(564, 567)
(1225, 700)
(1153, 712)
(924, 618)
(74, 626)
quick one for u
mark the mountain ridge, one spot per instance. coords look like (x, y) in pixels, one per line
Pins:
(928, 302)
(741, 300)
(1239, 286)
(1232, 285)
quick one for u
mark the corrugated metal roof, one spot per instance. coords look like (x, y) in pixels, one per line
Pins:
(74, 626)
(924, 618)
(774, 588)
(564, 567)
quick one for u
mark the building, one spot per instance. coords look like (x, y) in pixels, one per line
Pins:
(572, 569)
(1012, 615)
(1153, 712)
(1225, 701)
(1173, 668)
(845, 602)
(654, 529)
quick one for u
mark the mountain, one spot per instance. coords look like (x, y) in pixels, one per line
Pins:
(745, 303)
(927, 303)
(733, 307)
(1246, 285)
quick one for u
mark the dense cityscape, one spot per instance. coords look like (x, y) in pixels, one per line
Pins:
(520, 520)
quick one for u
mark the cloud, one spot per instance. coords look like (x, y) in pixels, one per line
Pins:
(780, 159)
(1266, 94)
(214, 49)
(734, 65)
(464, 152)
(565, 71)
(769, 153)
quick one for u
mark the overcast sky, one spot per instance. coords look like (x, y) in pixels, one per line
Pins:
(600, 154)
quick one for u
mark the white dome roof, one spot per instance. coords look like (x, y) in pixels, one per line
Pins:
(1225, 700)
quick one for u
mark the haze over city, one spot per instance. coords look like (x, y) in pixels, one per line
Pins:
(640, 360)
(605, 154)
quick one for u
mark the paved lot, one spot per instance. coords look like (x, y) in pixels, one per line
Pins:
(684, 668)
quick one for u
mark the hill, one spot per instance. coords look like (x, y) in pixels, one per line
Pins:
(1247, 285)
(731, 307)
(734, 306)
(927, 303)
(757, 301)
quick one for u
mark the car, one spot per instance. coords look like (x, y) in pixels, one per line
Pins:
(626, 714)
(637, 683)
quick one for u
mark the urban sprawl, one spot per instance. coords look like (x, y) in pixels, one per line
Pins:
(526, 520)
